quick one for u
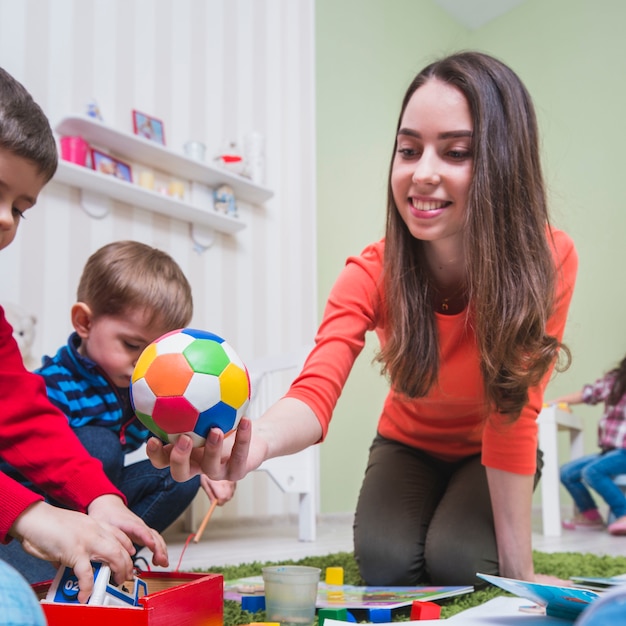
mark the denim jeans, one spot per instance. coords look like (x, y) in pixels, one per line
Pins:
(596, 471)
(152, 493)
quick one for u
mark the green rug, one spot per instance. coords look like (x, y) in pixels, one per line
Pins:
(561, 564)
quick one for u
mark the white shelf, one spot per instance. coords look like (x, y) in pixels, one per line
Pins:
(152, 154)
(114, 188)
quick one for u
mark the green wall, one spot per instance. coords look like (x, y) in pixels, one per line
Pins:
(571, 55)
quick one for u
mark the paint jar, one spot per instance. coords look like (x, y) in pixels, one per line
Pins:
(74, 149)
(195, 150)
(177, 189)
(291, 594)
(146, 179)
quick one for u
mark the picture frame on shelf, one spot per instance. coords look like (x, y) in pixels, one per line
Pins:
(148, 127)
(106, 164)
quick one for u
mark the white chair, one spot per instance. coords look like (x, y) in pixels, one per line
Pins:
(295, 473)
(551, 420)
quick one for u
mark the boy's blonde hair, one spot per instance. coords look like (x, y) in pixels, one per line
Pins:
(128, 275)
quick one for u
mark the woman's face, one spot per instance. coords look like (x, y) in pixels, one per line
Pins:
(432, 167)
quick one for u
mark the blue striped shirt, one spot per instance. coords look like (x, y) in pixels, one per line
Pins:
(78, 387)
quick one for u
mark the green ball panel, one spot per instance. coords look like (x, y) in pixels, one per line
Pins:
(206, 357)
(148, 422)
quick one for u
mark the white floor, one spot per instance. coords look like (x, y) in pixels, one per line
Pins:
(277, 540)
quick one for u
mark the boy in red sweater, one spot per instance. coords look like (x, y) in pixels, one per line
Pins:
(36, 438)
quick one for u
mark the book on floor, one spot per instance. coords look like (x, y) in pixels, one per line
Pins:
(351, 596)
(598, 583)
(563, 602)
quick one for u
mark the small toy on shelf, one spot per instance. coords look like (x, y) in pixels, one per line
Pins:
(187, 382)
(224, 198)
(93, 110)
(23, 324)
(230, 159)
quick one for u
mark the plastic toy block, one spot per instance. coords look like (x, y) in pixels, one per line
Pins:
(425, 610)
(338, 614)
(379, 615)
(334, 575)
(252, 604)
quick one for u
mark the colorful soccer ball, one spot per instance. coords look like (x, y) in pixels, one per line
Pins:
(187, 382)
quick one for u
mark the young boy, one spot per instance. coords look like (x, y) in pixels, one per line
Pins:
(36, 438)
(129, 294)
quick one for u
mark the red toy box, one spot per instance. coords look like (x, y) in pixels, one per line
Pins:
(181, 598)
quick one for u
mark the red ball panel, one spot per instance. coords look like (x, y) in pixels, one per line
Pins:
(174, 415)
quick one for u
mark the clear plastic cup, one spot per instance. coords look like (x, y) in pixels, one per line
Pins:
(291, 594)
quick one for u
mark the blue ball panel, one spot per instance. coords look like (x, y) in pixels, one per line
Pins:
(219, 416)
(201, 334)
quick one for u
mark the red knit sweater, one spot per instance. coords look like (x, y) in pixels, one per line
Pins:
(449, 422)
(37, 440)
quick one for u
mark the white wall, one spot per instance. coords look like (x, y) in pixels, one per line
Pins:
(212, 70)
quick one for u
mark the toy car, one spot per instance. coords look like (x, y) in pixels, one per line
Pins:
(64, 588)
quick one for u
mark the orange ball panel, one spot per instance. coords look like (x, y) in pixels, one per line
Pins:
(169, 375)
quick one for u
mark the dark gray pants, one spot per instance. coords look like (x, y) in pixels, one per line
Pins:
(420, 520)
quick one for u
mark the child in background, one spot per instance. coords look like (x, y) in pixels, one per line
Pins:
(598, 470)
(35, 436)
(129, 294)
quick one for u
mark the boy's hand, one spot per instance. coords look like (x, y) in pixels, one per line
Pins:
(220, 490)
(75, 540)
(217, 459)
(110, 509)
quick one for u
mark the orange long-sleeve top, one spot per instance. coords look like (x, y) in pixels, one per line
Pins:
(450, 421)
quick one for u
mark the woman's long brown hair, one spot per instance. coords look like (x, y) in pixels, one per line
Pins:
(511, 277)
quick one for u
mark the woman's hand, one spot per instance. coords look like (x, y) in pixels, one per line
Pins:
(75, 540)
(546, 579)
(220, 458)
(285, 428)
(111, 510)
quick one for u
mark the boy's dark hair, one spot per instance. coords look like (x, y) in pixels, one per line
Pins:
(129, 275)
(24, 128)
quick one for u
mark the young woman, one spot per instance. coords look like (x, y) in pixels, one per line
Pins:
(468, 293)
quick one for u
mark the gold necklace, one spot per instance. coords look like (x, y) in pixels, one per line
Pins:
(444, 304)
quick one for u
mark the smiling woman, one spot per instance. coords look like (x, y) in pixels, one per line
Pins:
(468, 294)
(431, 174)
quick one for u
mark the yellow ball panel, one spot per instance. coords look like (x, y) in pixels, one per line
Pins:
(235, 386)
(144, 361)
